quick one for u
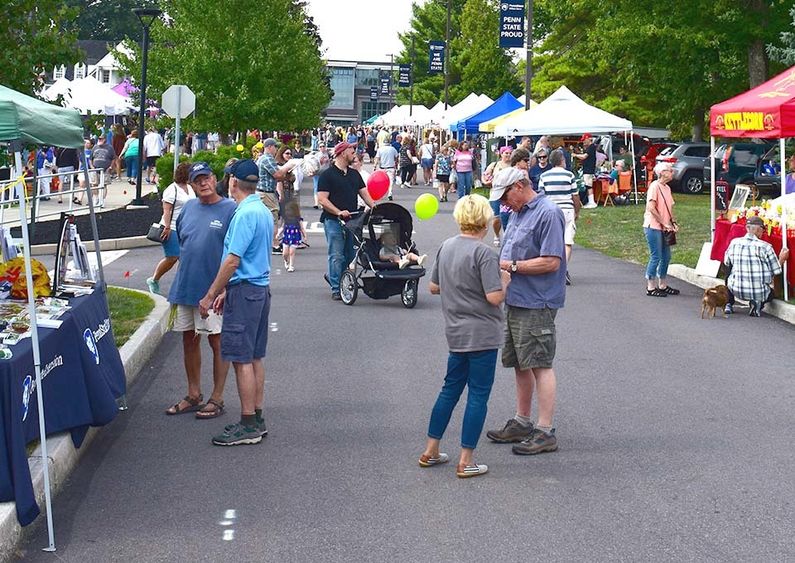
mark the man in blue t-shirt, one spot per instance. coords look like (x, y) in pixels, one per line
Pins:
(533, 251)
(241, 290)
(201, 228)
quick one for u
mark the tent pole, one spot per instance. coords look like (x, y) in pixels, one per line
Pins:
(634, 164)
(93, 217)
(712, 190)
(34, 335)
(783, 174)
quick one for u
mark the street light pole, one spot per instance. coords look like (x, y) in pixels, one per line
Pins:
(528, 72)
(411, 79)
(147, 17)
(447, 58)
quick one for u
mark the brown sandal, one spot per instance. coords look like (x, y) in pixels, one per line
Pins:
(193, 405)
(216, 409)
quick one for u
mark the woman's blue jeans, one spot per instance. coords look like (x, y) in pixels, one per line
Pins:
(465, 369)
(659, 254)
(315, 180)
(340, 251)
(464, 185)
(131, 163)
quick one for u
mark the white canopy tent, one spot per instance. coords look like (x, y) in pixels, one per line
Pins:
(405, 116)
(470, 105)
(88, 95)
(564, 113)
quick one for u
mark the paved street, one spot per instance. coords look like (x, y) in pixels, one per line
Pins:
(675, 438)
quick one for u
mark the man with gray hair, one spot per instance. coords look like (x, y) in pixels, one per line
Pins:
(241, 290)
(753, 264)
(560, 187)
(534, 253)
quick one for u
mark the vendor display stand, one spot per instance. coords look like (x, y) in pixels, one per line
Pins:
(766, 112)
(27, 120)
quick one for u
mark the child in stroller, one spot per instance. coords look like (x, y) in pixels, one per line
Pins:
(391, 252)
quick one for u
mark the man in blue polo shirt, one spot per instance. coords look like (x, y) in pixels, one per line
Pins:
(241, 290)
(533, 250)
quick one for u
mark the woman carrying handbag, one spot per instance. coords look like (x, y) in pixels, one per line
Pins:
(660, 228)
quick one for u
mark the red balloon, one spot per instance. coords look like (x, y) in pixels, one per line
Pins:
(378, 185)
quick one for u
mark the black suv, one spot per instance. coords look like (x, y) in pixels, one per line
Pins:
(736, 163)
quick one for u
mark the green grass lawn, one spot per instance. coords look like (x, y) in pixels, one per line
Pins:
(128, 309)
(618, 231)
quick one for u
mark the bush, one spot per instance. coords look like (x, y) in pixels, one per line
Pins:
(217, 161)
(165, 170)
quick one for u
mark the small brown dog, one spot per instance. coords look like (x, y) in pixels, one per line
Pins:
(714, 298)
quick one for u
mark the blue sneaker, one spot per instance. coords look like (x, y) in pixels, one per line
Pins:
(153, 285)
(236, 434)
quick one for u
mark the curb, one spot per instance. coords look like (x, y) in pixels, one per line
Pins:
(777, 308)
(63, 455)
(106, 244)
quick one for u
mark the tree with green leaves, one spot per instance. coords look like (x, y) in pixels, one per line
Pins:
(257, 69)
(109, 20)
(785, 51)
(35, 38)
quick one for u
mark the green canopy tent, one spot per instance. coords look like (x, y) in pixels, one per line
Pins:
(24, 119)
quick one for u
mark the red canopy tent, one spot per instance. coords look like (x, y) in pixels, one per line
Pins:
(767, 111)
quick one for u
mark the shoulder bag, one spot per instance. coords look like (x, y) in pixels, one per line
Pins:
(155, 232)
(668, 236)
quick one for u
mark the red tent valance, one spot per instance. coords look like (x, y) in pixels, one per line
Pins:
(767, 111)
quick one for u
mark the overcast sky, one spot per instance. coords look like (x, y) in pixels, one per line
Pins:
(361, 30)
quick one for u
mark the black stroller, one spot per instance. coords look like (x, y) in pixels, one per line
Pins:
(379, 279)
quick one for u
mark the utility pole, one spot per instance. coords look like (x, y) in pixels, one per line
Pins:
(447, 58)
(391, 76)
(528, 73)
(411, 79)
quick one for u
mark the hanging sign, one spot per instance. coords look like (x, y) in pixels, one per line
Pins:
(404, 76)
(373, 93)
(511, 24)
(435, 57)
(386, 85)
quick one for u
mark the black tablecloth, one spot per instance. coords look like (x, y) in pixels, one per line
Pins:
(82, 376)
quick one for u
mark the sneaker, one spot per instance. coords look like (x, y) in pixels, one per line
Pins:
(426, 461)
(335, 296)
(404, 263)
(728, 309)
(590, 205)
(513, 431)
(153, 285)
(261, 428)
(421, 260)
(290, 269)
(277, 249)
(286, 264)
(755, 309)
(237, 434)
(538, 443)
(568, 279)
(390, 198)
(466, 471)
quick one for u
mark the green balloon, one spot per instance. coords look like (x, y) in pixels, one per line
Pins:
(426, 206)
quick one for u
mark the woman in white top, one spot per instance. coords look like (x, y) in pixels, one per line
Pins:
(174, 198)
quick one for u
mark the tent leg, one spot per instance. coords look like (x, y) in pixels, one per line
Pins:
(781, 149)
(712, 189)
(34, 334)
(93, 216)
(634, 164)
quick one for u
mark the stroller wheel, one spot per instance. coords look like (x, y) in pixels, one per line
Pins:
(409, 293)
(349, 287)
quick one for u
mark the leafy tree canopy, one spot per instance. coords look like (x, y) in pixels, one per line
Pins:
(35, 38)
(109, 20)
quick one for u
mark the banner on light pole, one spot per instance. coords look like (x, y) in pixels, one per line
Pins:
(373, 93)
(435, 57)
(404, 76)
(512, 24)
(386, 83)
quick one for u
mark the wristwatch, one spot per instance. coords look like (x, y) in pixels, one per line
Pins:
(514, 267)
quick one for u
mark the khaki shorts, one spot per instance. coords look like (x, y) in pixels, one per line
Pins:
(588, 180)
(529, 338)
(271, 201)
(188, 318)
(571, 226)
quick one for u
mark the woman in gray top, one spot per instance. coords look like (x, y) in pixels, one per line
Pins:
(468, 277)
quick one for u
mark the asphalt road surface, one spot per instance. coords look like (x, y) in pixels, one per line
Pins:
(675, 438)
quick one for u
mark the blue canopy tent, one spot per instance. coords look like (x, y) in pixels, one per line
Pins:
(502, 105)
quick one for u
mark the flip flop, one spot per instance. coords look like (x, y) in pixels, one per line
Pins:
(217, 410)
(193, 406)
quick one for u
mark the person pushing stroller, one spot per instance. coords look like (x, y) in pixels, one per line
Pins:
(392, 252)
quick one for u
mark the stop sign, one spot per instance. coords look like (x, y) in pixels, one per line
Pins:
(178, 99)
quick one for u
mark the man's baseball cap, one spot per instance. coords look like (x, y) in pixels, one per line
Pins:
(755, 220)
(245, 170)
(585, 136)
(199, 169)
(502, 180)
(270, 142)
(342, 147)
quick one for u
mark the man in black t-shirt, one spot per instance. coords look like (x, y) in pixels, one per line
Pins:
(337, 189)
(588, 159)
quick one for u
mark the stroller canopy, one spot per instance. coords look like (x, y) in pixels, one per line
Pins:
(392, 213)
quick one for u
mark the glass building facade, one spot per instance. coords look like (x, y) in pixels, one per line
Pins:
(351, 83)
